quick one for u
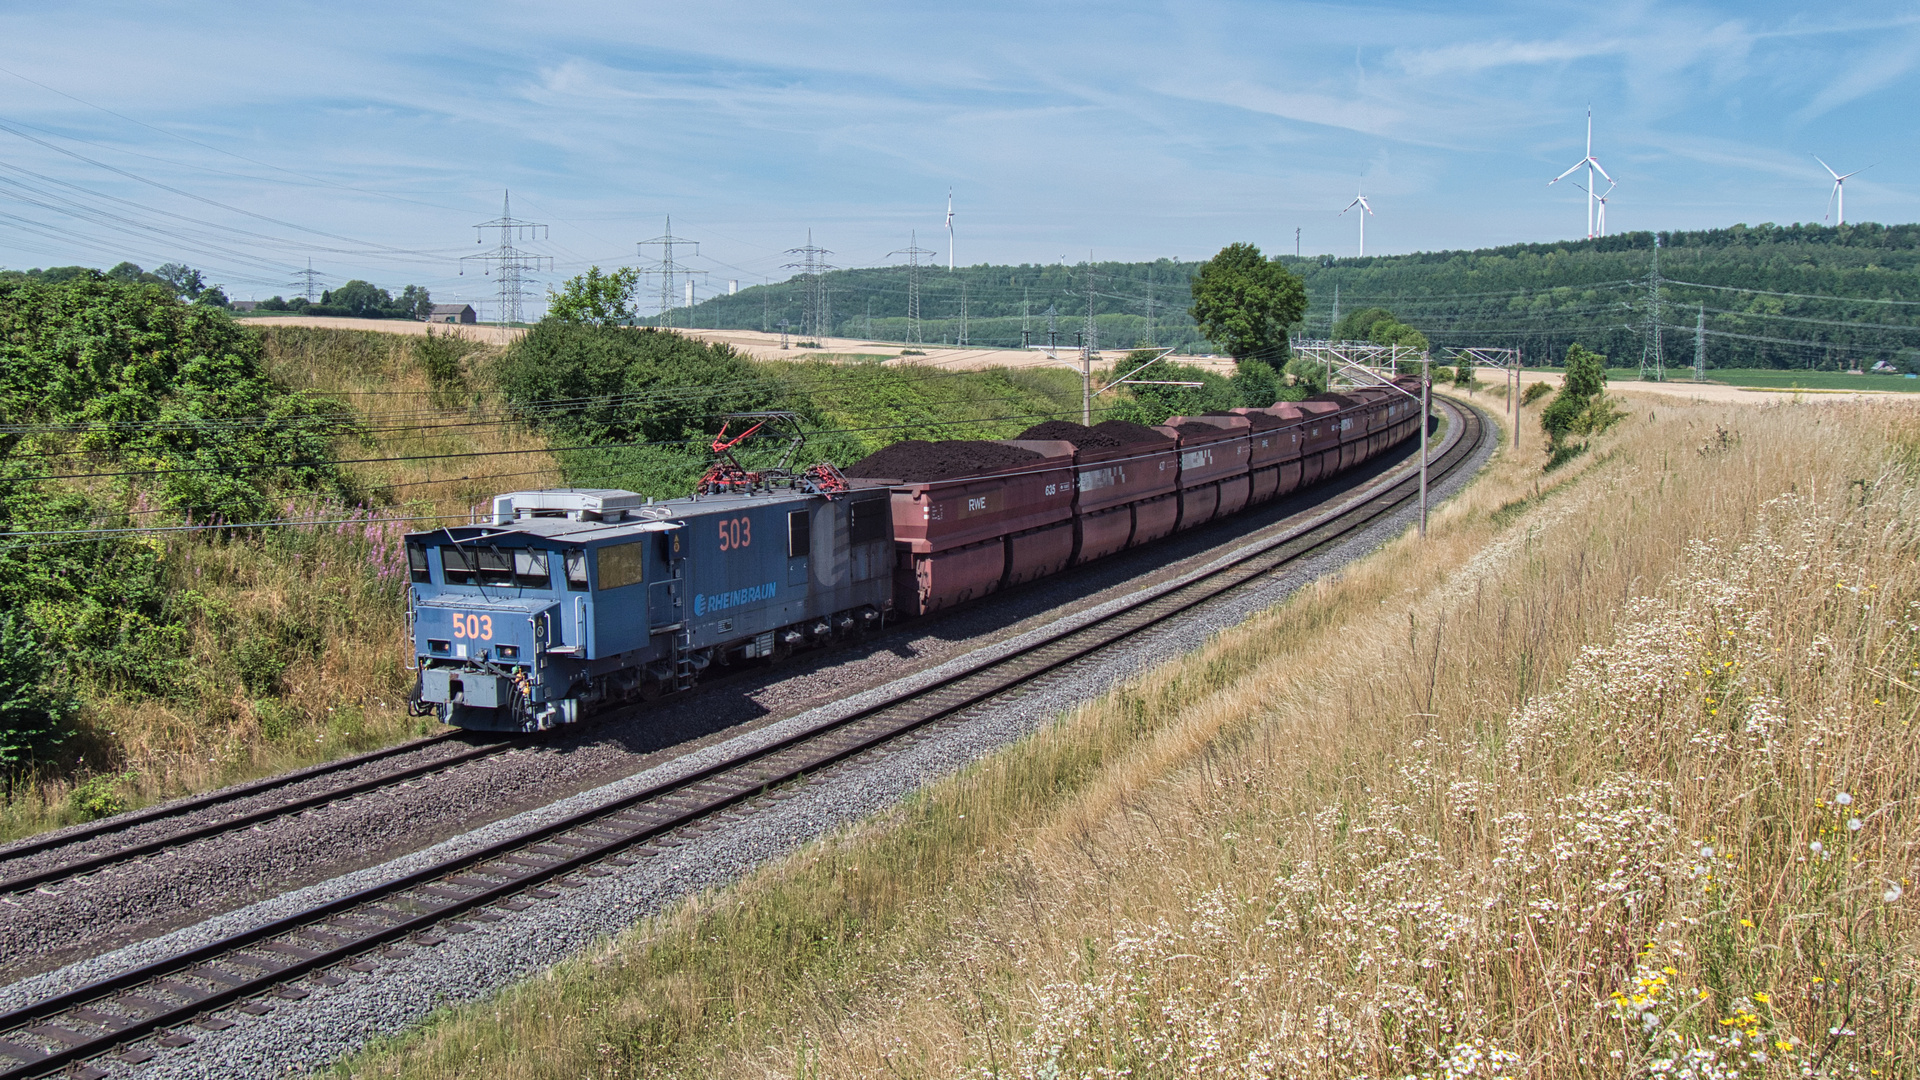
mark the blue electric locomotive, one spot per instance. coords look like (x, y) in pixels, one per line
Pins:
(568, 599)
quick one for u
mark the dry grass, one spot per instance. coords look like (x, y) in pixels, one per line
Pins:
(1536, 798)
(297, 635)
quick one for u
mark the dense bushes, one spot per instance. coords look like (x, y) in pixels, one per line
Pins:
(126, 407)
(637, 408)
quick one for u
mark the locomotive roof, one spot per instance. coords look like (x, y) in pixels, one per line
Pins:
(642, 518)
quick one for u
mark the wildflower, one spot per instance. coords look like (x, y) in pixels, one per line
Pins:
(1843, 799)
(1783, 1046)
(1748, 923)
(1892, 894)
(1815, 847)
(1762, 998)
(1706, 852)
(1853, 824)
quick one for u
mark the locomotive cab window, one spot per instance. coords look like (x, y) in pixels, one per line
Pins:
(576, 563)
(530, 569)
(799, 533)
(417, 567)
(496, 568)
(458, 566)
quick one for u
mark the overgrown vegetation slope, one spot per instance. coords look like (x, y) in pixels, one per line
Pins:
(1614, 775)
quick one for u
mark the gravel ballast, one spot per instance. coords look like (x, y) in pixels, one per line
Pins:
(337, 1020)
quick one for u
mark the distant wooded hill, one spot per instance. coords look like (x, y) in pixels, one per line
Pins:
(1797, 296)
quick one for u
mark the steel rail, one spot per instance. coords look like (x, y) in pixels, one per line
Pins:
(266, 960)
(62, 838)
(87, 865)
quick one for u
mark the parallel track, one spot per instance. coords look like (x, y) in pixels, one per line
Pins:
(421, 908)
(89, 864)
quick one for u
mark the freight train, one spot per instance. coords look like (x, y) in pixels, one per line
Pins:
(569, 600)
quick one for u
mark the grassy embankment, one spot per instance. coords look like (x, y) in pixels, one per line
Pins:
(1615, 774)
(294, 637)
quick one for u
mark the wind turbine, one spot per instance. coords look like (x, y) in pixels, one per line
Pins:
(1601, 218)
(1837, 199)
(1592, 165)
(949, 228)
(1360, 201)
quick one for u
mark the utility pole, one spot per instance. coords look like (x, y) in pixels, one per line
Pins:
(812, 263)
(963, 312)
(309, 283)
(1700, 345)
(1296, 243)
(913, 251)
(1093, 332)
(510, 261)
(869, 318)
(1053, 326)
(1335, 321)
(1026, 309)
(667, 269)
(1651, 367)
(1150, 341)
(1426, 407)
(783, 333)
(1086, 385)
(766, 309)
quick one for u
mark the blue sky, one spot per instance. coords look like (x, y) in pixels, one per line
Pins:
(372, 137)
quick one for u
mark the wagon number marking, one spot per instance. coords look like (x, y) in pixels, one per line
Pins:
(736, 533)
(477, 627)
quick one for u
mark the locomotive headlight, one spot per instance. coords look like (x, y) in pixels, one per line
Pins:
(439, 646)
(508, 652)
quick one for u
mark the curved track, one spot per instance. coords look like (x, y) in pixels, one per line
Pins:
(325, 943)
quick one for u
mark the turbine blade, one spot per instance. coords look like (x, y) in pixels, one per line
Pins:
(1577, 166)
(1828, 167)
(1597, 168)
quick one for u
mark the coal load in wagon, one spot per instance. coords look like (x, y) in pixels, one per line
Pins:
(919, 461)
(1130, 433)
(1083, 438)
(1257, 419)
(1195, 427)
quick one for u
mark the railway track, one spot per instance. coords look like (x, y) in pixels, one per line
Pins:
(87, 864)
(88, 1030)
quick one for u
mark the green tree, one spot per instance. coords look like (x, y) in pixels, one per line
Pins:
(1243, 302)
(1155, 400)
(1394, 332)
(596, 299)
(1357, 325)
(1581, 407)
(413, 303)
(360, 299)
(184, 280)
(33, 710)
(1309, 376)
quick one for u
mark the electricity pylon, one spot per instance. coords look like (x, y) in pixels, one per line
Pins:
(508, 260)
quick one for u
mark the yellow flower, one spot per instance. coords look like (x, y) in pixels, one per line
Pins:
(1763, 999)
(1783, 1046)
(1670, 971)
(1748, 923)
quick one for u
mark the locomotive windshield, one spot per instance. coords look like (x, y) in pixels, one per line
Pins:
(494, 565)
